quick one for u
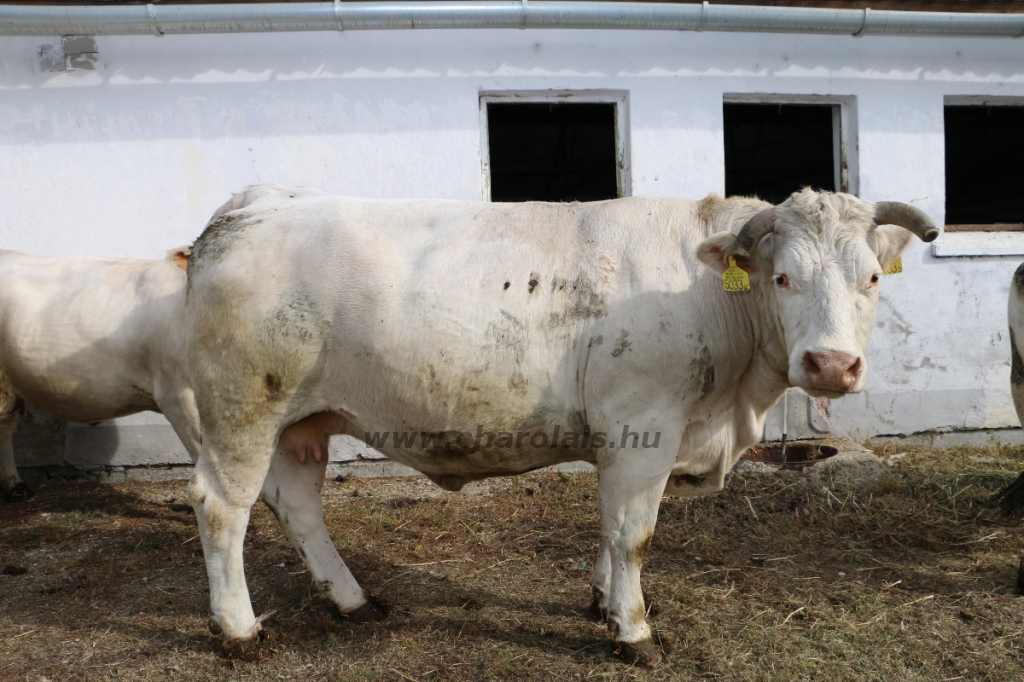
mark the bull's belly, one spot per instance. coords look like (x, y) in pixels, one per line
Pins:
(453, 457)
(460, 417)
(83, 401)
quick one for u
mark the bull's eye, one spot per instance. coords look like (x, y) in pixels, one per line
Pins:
(781, 280)
(874, 278)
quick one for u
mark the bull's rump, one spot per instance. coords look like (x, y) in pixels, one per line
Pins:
(441, 318)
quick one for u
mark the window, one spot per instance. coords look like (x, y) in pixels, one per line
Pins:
(773, 149)
(984, 174)
(554, 147)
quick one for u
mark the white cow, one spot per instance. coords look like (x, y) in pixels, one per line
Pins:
(452, 322)
(90, 339)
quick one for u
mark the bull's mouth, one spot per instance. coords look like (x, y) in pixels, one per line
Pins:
(825, 393)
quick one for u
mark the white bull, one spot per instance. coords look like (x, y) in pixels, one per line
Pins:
(492, 339)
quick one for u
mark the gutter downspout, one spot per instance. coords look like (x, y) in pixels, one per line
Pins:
(22, 20)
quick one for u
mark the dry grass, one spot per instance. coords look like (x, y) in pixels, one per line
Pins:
(911, 580)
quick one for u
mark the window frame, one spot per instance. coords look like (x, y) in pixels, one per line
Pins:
(844, 130)
(618, 98)
(976, 101)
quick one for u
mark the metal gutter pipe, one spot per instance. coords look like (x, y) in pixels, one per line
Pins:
(24, 20)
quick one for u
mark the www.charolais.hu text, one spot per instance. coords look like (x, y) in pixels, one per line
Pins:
(553, 438)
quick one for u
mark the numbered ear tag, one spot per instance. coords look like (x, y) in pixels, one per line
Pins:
(895, 267)
(734, 279)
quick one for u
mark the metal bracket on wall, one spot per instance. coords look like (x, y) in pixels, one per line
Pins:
(73, 53)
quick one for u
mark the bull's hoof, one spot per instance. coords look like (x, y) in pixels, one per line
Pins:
(644, 653)
(249, 649)
(17, 493)
(373, 610)
(596, 611)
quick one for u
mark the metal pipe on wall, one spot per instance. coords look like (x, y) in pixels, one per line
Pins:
(49, 20)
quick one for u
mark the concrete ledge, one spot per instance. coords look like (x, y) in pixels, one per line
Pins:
(966, 244)
(34, 475)
(948, 439)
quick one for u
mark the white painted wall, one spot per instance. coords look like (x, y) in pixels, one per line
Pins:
(131, 159)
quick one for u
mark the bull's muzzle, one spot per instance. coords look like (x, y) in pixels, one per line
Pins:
(832, 371)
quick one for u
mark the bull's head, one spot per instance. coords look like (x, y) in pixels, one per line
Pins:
(816, 261)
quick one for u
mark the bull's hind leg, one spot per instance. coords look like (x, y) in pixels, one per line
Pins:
(223, 488)
(292, 491)
(11, 409)
(630, 487)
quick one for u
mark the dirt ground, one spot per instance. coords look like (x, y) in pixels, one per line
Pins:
(912, 578)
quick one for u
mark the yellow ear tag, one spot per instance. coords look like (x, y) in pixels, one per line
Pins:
(734, 279)
(895, 267)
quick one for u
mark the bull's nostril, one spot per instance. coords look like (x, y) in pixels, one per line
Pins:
(853, 372)
(811, 368)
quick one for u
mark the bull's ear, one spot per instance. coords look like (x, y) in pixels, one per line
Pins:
(713, 251)
(180, 256)
(891, 242)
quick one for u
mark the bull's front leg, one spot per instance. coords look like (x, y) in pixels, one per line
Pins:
(601, 581)
(630, 487)
(11, 484)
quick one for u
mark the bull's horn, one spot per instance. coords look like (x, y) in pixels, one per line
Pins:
(753, 232)
(907, 217)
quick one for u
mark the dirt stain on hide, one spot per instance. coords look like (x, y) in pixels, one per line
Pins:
(581, 301)
(1016, 366)
(511, 338)
(621, 345)
(532, 284)
(577, 421)
(219, 235)
(640, 550)
(702, 373)
(296, 319)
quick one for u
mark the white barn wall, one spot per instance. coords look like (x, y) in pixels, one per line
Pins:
(131, 159)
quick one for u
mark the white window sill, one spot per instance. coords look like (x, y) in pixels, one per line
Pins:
(953, 244)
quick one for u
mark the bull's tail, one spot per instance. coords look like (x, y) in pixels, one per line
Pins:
(1011, 499)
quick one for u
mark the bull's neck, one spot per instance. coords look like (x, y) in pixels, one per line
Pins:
(751, 331)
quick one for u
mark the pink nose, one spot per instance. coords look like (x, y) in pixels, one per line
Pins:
(832, 371)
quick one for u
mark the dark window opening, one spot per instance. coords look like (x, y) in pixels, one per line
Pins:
(773, 150)
(984, 173)
(552, 152)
